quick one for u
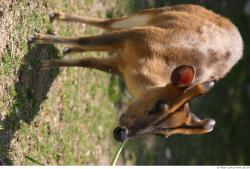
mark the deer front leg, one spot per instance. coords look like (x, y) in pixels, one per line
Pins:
(196, 130)
(107, 42)
(190, 93)
(109, 65)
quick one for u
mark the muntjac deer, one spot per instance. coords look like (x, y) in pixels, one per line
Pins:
(167, 56)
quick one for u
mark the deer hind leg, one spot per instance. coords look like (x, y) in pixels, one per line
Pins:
(94, 21)
(109, 65)
(140, 19)
(107, 42)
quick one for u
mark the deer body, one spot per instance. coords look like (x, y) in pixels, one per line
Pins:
(173, 37)
(151, 45)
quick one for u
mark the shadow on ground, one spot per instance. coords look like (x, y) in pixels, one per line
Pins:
(30, 91)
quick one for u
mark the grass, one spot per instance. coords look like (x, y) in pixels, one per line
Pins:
(33, 160)
(114, 161)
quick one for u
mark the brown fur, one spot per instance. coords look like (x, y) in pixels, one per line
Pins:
(151, 44)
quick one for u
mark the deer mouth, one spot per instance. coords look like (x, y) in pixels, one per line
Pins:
(148, 130)
(121, 134)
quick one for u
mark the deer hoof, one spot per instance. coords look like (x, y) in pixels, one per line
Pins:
(208, 85)
(31, 39)
(53, 16)
(209, 126)
(66, 51)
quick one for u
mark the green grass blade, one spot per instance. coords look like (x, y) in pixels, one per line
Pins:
(33, 160)
(117, 154)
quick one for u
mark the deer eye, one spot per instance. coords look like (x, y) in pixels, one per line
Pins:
(159, 106)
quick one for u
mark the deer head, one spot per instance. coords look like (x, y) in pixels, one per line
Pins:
(164, 110)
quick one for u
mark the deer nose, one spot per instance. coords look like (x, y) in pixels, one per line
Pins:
(119, 134)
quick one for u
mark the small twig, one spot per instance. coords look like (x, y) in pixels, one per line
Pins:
(117, 154)
(33, 160)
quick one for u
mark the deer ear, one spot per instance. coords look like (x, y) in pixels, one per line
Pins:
(183, 75)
